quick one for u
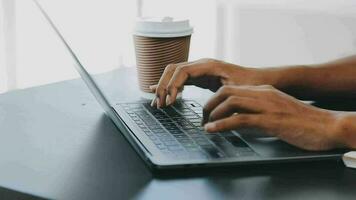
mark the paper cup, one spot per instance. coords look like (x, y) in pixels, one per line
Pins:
(158, 43)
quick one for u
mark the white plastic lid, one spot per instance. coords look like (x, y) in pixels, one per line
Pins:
(162, 27)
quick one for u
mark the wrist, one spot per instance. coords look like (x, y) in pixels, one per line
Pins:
(286, 78)
(345, 129)
(282, 78)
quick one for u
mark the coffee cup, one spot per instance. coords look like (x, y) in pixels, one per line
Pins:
(159, 42)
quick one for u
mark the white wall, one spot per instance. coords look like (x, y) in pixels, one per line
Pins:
(7, 45)
(267, 33)
(98, 31)
(3, 84)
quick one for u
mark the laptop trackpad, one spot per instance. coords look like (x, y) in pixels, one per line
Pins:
(271, 146)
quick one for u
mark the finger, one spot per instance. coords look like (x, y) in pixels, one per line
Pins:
(185, 71)
(153, 88)
(221, 95)
(235, 104)
(161, 91)
(237, 121)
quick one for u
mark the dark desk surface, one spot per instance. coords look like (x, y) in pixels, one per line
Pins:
(55, 142)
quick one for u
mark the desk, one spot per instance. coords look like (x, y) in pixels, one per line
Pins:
(56, 142)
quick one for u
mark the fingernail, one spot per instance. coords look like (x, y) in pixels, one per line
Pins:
(168, 100)
(158, 102)
(210, 127)
(153, 102)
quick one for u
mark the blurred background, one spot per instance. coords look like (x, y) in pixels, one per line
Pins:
(255, 33)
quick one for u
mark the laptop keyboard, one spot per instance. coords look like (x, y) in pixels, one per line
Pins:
(177, 131)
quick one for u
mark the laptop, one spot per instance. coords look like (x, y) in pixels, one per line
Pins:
(173, 138)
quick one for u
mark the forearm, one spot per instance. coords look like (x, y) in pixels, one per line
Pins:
(336, 79)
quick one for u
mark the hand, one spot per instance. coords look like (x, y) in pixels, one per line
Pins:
(206, 73)
(273, 111)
